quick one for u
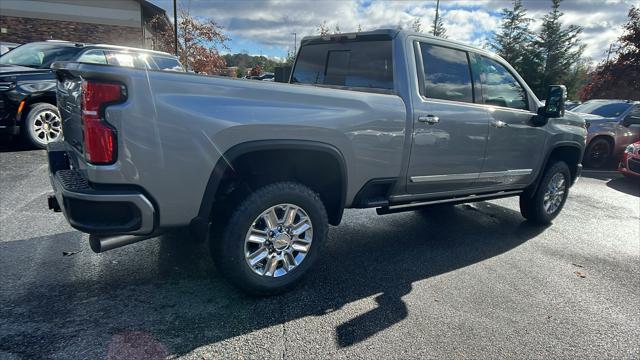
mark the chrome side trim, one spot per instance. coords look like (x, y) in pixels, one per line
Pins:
(469, 198)
(450, 177)
(471, 176)
(515, 172)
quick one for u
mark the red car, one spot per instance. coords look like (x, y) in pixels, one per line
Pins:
(630, 163)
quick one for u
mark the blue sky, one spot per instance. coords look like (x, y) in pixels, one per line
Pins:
(266, 27)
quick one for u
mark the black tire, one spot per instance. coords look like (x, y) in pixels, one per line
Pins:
(228, 248)
(598, 153)
(532, 207)
(28, 130)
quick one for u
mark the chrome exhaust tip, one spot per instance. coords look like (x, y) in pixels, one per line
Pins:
(102, 243)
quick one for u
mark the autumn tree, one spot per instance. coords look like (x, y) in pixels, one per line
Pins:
(198, 41)
(323, 29)
(619, 78)
(256, 70)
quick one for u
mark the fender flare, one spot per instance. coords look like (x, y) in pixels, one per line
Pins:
(534, 187)
(200, 224)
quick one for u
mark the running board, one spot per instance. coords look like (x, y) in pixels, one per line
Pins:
(455, 200)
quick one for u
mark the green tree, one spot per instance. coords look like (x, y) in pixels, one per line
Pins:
(560, 48)
(437, 29)
(513, 41)
(416, 24)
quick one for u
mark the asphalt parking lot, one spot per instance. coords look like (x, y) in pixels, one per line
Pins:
(470, 281)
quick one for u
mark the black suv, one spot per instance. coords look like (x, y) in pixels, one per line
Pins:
(28, 86)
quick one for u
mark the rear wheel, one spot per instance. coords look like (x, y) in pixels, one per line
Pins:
(43, 125)
(598, 153)
(550, 196)
(271, 239)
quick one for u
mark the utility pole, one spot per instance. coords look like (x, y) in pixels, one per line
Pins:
(435, 23)
(175, 27)
(609, 52)
(295, 43)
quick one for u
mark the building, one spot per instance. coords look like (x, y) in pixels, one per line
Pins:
(117, 22)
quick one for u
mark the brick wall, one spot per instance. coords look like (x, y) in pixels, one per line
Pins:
(23, 30)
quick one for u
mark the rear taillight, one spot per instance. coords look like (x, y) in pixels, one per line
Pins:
(99, 137)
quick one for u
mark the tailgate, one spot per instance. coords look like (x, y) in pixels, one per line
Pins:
(69, 98)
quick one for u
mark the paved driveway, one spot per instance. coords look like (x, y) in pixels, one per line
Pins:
(470, 281)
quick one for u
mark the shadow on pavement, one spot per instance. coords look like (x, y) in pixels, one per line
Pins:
(626, 185)
(168, 289)
(13, 144)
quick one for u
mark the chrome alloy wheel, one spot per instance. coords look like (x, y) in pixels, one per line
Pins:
(278, 240)
(46, 127)
(555, 193)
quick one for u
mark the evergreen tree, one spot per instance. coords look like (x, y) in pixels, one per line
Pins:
(560, 48)
(514, 39)
(416, 25)
(437, 29)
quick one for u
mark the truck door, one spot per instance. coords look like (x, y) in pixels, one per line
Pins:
(450, 130)
(516, 146)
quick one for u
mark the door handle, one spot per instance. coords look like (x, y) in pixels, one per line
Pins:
(429, 119)
(499, 124)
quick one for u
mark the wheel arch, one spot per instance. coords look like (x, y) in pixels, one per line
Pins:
(32, 100)
(568, 151)
(225, 168)
(608, 137)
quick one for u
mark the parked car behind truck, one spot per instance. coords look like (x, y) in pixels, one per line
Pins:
(387, 119)
(612, 125)
(27, 85)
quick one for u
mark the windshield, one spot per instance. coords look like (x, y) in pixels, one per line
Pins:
(608, 110)
(38, 55)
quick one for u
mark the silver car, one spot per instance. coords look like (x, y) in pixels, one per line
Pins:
(612, 125)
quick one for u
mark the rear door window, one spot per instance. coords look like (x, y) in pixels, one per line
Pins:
(358, 65)
(447, 74)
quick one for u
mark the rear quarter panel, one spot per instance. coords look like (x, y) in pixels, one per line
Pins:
(174, 128)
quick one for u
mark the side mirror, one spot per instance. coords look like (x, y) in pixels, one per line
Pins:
(556, 97)
(631, 120)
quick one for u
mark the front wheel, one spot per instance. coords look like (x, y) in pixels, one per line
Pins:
(271, 238)
(598, 153)
(550, 196)
(43, 125)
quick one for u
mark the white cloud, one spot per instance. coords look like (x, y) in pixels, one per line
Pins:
(271, 23)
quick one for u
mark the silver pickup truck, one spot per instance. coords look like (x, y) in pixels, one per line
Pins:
(387, 119)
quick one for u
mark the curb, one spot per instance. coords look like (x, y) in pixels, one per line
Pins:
(612, 173)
